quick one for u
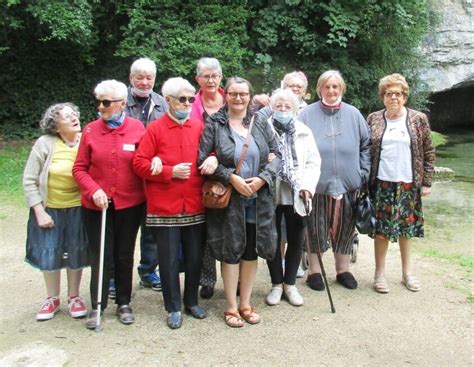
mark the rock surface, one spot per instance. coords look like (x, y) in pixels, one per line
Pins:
(449, 49)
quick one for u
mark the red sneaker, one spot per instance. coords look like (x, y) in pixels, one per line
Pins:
(77, 308)
(48, 309)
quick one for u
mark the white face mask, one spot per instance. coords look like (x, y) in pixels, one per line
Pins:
(141, 93)
(333, 104)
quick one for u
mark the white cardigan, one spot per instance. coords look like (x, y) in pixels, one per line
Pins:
(308, 171)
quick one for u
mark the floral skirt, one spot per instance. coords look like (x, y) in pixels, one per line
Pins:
(399, 210)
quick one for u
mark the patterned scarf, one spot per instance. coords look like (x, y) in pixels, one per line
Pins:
(289, 162)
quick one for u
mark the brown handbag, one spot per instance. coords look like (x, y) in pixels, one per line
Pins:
(215, 195)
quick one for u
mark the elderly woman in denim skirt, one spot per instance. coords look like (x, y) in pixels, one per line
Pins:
(403, 159)
(56, 235)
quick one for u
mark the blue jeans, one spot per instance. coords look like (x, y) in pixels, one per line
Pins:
(148, 252)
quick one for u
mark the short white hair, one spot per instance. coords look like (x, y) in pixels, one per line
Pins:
(208, 63)
(324, 77)
(174, 86)
(288, 95)
(295, 75)
(112, 87)
(143, 65)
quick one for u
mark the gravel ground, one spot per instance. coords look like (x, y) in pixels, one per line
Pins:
(431, 328)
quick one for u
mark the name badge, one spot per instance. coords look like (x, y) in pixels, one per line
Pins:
(129, 147)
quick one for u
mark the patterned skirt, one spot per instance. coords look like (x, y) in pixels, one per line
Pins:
(399, 210)
(332, 222)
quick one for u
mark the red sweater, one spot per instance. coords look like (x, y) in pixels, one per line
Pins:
(174, 144)
(104, 161)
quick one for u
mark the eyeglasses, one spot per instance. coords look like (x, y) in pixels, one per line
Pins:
(242, 95)
(209, 77)
(391, 94)
(69, 116)
(183, 99)
(105, 102)
(295, 86)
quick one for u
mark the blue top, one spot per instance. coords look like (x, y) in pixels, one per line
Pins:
(343, 140)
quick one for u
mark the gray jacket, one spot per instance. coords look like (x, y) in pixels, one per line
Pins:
(157, 109)
(226, 227)
(343, 140)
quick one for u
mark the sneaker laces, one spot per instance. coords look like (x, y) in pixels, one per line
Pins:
(76, 301)
(49, 302)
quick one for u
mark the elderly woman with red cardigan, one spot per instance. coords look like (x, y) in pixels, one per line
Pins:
(174, 210)
(104, 173)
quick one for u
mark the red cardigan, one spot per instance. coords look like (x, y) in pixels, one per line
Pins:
(174, 144)
(104, 161)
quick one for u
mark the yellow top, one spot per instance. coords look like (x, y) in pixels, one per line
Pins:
(63, 191)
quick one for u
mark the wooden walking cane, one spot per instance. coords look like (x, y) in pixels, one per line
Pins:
(318, 253)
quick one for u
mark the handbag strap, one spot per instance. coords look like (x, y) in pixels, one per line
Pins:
(244, 148)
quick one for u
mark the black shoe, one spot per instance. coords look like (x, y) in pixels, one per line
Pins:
(206, 292)
(197, 312)
(125, 314)
(315, 281)
(347, 280)
(175, 320)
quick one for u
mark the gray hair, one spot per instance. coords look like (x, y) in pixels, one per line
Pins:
(328, 75)
(288, 95)
(208, 63)
(49, 120)
(295, 74)
(112, 87)
(238, 80)
(173, 86)
(143, 64)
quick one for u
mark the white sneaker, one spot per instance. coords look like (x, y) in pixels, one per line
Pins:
(300, 272)
(274, 296)
(293, 295)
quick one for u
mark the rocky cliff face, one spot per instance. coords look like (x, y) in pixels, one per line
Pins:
(449, 49)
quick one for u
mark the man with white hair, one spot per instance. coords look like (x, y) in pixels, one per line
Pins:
(145, 105)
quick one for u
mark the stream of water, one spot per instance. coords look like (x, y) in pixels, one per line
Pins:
(449, 209)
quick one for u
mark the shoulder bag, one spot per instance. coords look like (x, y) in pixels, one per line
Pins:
(215, 195)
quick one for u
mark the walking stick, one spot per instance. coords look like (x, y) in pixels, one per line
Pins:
(318, 253)
(101, 268)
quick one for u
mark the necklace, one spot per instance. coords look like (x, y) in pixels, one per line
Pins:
(70, 144)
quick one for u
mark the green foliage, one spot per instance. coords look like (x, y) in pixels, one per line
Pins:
(364, 39)
(176, 34)
(57, 50)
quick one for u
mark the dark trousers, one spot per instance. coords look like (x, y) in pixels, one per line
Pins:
(294, 250)
(170, 240)
(148, 252)
(208, 270)
(120, 235)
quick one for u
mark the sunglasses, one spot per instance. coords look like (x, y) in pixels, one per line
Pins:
(105, 102)
(183, 99)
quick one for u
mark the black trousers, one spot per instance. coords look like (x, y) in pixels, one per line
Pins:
(120, 236)
(170, 240)
(294, 250)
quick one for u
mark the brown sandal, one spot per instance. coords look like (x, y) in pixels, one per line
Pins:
(250, 315)
(229, 316)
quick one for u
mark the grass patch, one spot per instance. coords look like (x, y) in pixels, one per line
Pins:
(465, 261)
(12, 162)
(438, 139)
